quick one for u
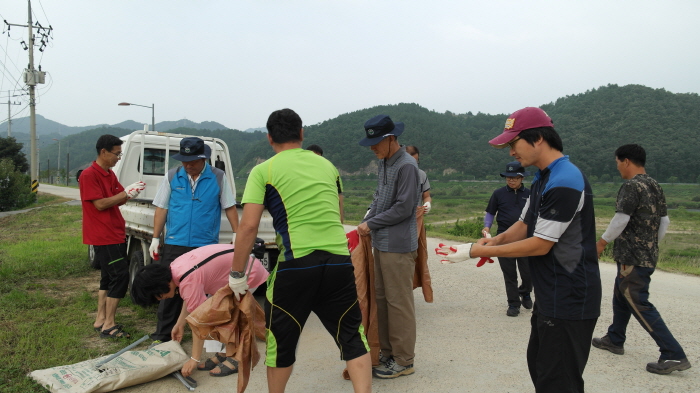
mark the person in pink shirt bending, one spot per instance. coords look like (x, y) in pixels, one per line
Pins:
(195, 274)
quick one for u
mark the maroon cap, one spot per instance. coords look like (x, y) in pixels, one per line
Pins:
(519, 121)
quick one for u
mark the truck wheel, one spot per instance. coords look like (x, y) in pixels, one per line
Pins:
(91, 258)
(135, 264)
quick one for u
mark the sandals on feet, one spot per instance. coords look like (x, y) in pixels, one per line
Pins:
(210, 365)
(225, 370)
(98, 329)
(115, 331)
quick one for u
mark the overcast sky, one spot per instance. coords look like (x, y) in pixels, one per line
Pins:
(236, 61)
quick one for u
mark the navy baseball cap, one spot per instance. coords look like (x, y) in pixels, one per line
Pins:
(380, 127)
(192, 148)
(514, 169)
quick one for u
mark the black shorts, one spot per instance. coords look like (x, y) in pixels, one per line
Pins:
(115, 269)
(320, 282)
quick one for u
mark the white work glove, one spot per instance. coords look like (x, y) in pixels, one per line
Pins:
(454, 254)
(426, 207)
(155, 245)
(460, 253)
(133, 190)
(238, 286)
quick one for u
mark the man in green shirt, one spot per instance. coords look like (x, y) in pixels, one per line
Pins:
(314, 271)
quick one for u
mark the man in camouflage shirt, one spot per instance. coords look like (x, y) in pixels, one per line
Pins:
(638, 226)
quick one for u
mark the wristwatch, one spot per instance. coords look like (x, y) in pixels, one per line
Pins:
(236, 274)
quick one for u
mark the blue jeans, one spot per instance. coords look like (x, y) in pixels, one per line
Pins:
(631, 297)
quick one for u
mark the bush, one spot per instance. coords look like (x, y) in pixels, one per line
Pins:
(471, 229)
(456, 191)
(15, 187)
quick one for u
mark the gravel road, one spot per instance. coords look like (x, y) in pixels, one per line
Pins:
(466, 343)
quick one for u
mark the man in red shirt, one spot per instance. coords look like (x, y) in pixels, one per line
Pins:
(104, 228)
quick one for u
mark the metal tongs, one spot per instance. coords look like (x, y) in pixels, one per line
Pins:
(189, 382)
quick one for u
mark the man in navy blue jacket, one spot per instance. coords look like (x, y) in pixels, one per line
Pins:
(505, 205)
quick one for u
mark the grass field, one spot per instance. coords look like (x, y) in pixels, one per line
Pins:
(48, 297)
(48, 291)
(458, 211)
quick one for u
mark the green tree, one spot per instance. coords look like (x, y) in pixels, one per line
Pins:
(10, 148)
(15, 187)
(605, 178)
(673, 179)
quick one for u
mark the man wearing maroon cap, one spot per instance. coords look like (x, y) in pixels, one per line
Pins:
(556, 229)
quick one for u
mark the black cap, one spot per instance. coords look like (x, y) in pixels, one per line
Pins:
(514, 169)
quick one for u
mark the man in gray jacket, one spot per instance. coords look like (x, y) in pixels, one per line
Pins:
(392, 223)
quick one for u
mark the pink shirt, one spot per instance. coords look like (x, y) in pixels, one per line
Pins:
(210, 277)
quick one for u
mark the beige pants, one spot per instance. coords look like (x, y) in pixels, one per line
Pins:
(396, 313)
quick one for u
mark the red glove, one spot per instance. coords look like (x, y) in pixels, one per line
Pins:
(353, 239)
(483, 260)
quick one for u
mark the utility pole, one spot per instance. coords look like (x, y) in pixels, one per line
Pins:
(31, 78)
(32, 104)
(9, 114)
(58, 165)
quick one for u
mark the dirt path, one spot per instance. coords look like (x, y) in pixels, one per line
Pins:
(466, 343)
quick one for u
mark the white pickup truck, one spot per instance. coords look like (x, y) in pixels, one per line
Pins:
(157, 149)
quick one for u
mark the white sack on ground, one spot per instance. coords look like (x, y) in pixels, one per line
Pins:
(130, 368)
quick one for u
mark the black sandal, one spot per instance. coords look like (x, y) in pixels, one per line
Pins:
(118, 332)
(210, 365)
(226, 370)
(98, 329)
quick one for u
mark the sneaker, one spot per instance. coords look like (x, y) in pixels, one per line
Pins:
(605, 343)
(392, 370)
(668, 366)
(527, 301)
(513, 311)
(383, 360)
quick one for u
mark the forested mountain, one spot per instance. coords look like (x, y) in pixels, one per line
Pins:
(455, 146)
(592, 125)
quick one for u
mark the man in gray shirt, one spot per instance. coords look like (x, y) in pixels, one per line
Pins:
(392, 223)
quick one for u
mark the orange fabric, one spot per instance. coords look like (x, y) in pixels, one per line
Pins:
(421, 277)
(236, 324)
(363, 262)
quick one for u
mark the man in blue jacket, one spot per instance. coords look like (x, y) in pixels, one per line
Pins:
(188, 205)
(556, 230)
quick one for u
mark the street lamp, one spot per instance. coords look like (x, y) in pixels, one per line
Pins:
(58, 164)
(153, 112)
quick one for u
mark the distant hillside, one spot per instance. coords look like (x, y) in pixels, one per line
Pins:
(82, 145)
(455, 146)
(592, 125)
(45, 126)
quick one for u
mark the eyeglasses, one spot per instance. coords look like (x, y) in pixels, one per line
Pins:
(512, 143)
(118, 155)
